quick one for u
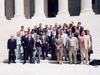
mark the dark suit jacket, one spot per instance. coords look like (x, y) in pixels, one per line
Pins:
(29, 43)
(46, 39)
(11, 45)
(23, 41)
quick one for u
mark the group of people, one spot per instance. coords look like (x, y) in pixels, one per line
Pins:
(70, 42)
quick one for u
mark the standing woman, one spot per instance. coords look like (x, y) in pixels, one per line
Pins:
(59, 48)
(37, 47)
(18, 44)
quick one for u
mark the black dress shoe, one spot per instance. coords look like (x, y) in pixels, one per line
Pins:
(8, 62)
(14, 62)
(57, 62)
(23, 62)
(38, 62)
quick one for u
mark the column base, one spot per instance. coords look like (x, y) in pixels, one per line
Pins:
(63, 14)
(39, 15)
(19, 17)
(87, 12)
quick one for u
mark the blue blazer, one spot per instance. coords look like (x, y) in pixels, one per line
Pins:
(29, 43)
(11, 45)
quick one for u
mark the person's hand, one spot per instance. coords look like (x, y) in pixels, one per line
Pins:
(34, 48)
(58, 48)
(67, 49)
(77, 49)
(8, 50)
(14, 50)
(88, 48)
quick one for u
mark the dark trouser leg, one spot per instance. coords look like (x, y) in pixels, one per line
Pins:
(46, 51)
(25, 55)
(13, 55)
(43, 51)
(31, 54)
(53, 52)
(9, 57)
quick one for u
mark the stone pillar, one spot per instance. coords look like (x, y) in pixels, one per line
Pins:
(2, 9)
(63, 8)
(86, 7)
(19, 9)
(39, 9)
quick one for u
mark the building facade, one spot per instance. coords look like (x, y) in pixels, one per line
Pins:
(49, 8)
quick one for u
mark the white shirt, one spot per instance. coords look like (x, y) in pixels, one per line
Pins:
(72, 41)
(65, 38)
(22, 32)
(43, 39)
(18, 40)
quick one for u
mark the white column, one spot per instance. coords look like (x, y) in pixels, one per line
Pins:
(2, 9)
(63, 8)
(86, 7)
(39, 9)
(19, 9)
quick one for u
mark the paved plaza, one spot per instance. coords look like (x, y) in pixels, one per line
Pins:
(48, 68)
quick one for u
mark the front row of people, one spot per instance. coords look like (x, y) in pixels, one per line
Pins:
(71, 45)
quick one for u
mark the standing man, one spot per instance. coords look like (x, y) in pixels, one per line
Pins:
(84, 45)
(22, 31)
(72, 46)
(65, 38)
(29, 45)
(45, 40)
(52, 45)
(11, 45)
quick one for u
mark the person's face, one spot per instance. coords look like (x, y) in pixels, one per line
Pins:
(69, 30)
(43, 33)
(88, 32)
(60, 26)
(58, 35)
(26, 33)
(52, 33)
(29, 28)
(78, 32)
(53, 29)
(17, 34)
(40, 24)
(35, 27)
(46, 26)
(22, 28)
(29, 35)
(61, 31)
(75, 28)
(83, 33)
(33, 31)
(58, 31)
(72, 35)
(12, 36)
(63, 27)
(37, 38)
(56, 25)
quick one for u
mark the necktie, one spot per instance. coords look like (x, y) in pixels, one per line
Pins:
(83, 41)
(29, 39)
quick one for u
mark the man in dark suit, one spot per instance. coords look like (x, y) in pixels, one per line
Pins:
(39, 29)
(52, 45)
(11, 46)
(44, 39)
(23, 41)
(29, 45)
(46, 29)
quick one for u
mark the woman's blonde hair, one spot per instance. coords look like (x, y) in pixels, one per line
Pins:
(18, 33)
